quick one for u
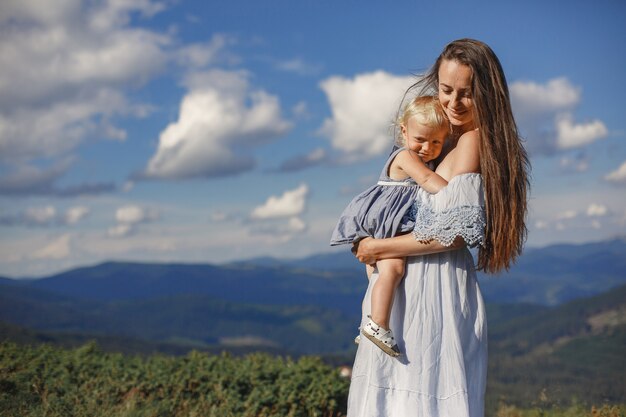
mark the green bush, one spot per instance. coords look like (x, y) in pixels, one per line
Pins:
(571, 411)
(38, 381)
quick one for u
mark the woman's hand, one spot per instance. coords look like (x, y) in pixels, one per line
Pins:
(363, 250)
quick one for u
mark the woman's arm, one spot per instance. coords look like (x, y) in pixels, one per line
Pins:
(370, 250)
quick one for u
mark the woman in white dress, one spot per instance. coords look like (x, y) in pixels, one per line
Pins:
(438, 313)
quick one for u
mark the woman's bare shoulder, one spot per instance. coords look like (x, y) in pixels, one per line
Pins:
(467, 153)
(470, 138)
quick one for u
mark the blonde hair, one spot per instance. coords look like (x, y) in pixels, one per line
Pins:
(504, 163)
(429, 113)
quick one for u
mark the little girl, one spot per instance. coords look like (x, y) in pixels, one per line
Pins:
(384, 210)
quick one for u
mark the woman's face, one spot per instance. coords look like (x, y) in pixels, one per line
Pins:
(455, 93)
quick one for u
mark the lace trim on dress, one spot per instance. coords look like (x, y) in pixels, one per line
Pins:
(467, 222)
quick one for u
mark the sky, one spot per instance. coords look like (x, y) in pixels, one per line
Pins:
(213, 131)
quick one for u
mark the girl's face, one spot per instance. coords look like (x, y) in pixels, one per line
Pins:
(455, 93)
(424, 140)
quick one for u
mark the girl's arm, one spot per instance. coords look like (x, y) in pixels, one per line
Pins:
(370, 250)
(411, 163)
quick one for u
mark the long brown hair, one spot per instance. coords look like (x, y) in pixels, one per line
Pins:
(504, 162)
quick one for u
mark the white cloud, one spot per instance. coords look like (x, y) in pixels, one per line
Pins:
(597, 210)
(43, 12)
(65, 69)
(45, 216)
(39, 215)
(363, 109)
(82, 36)
(52, 53)
(199, 55)
(566, 215)
(298, 66)
(280, 227)
(27, 178)
(291, 203)
(296, 225)
(57, 249)
(75, 214)
(279, 230)
(128, 218)
(544, 113)
(117, 12)
(531, 98)
(219, 118)
(132, 214)
(596, 224)
(618, 176)
(60, 126)
(540, 224)
(572, 135)
(121, 230)
(278, 221)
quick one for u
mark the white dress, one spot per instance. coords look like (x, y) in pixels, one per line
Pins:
(438, 320)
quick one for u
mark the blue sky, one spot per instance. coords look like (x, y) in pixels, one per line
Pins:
(199, 131)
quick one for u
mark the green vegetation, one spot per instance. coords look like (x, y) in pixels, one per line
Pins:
(199, 320)
(87, 382)
(47, 381)
(571, 411)
(571, 353)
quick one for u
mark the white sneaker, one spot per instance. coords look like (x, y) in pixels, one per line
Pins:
(381, 338)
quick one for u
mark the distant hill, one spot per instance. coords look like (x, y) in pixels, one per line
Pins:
(278, 285)
(198, 320)
(547, 276)
(25, 336)
(340, 260)
(550, 275)
(560, 273)
(573, 351)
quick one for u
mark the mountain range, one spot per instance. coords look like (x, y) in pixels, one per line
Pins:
(546, 276)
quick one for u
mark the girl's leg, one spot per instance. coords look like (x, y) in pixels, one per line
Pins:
(390, 273)
(369, 269)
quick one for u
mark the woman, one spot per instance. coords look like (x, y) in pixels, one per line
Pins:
(438, 313)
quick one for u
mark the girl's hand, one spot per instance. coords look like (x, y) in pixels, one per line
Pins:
(363, 251)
